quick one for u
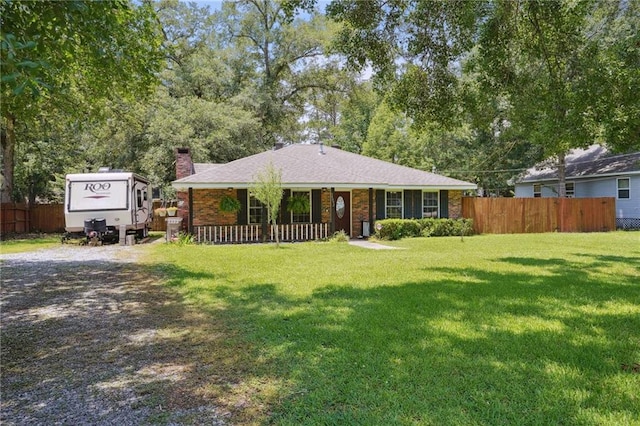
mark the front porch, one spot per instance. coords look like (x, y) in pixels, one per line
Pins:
(238, 234)
(354, 211)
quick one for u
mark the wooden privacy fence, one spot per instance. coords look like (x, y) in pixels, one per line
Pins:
(531, 215)
(47, 218)
(14, 218)
(19, 218)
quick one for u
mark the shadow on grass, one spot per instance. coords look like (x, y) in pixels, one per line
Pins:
(543, 345)
(108, 343)
(98, 342)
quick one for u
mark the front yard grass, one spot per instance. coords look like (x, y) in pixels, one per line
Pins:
(29, 243)
(497, 329)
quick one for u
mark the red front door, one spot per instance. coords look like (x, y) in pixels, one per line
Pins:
(342, 213)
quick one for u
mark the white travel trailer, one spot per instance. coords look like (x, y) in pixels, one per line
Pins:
(107, 204)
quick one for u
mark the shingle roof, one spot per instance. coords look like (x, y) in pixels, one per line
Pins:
(593, 161)
(305, 165)
(201, 167)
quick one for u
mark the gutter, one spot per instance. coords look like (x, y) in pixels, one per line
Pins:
(183, 186)
(585, 177)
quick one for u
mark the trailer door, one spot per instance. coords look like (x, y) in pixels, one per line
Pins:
(142, 211)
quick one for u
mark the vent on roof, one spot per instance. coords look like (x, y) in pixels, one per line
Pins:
(278, 145)
(336, 146)
(321, 150)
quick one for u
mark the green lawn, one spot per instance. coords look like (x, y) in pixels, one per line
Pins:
(498, 329)
(19, 245)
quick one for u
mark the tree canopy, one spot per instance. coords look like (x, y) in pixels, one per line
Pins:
(69, 56)
(565, 73)
(477, 90)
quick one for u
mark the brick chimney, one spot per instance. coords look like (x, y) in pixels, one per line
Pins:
(184, 168)
(184, 165)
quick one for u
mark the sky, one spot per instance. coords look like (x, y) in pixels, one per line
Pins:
(322, 4)
(213, 4)
(216, 4)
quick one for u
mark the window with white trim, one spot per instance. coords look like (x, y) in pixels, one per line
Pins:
(429, 204)
(624, 187)
(537, 190)
(301, 217)
(569, 189)
(255, 210)
(394, 205)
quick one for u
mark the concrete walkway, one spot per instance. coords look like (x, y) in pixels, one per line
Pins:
(371, 245)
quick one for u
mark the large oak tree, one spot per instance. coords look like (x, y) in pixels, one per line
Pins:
(68, 56)
(290, 59)
(565, 73)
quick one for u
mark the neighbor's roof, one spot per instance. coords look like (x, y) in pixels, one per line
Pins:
(305, 165)
(585, 163)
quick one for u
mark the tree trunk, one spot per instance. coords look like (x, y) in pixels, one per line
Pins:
(275, 228)
(562, 181)
(32, 198)
(8, 141)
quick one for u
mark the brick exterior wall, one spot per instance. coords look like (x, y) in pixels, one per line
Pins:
(206, 207)
(326, 206)
(359, 210)
(183, 208)
(455, 204)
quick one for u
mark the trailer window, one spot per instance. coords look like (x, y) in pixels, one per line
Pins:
(139, 198)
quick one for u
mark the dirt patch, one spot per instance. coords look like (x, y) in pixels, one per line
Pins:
(90, 337)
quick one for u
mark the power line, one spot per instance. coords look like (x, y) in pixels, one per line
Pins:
(482, 171)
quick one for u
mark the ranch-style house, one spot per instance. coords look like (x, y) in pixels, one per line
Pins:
(342, 191)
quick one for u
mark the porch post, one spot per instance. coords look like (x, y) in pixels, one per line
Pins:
(190, 211)
(370, 210)
(332, 224)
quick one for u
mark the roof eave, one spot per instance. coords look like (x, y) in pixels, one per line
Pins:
(591, 176)
(225, 185)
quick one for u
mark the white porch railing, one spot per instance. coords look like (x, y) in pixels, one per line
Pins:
(227, 234)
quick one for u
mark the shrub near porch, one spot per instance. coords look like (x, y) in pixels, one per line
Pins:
(395, 229)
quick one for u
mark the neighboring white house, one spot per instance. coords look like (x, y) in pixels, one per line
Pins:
(592, 172)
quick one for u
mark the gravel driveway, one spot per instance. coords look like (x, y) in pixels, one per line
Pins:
(90, 337)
